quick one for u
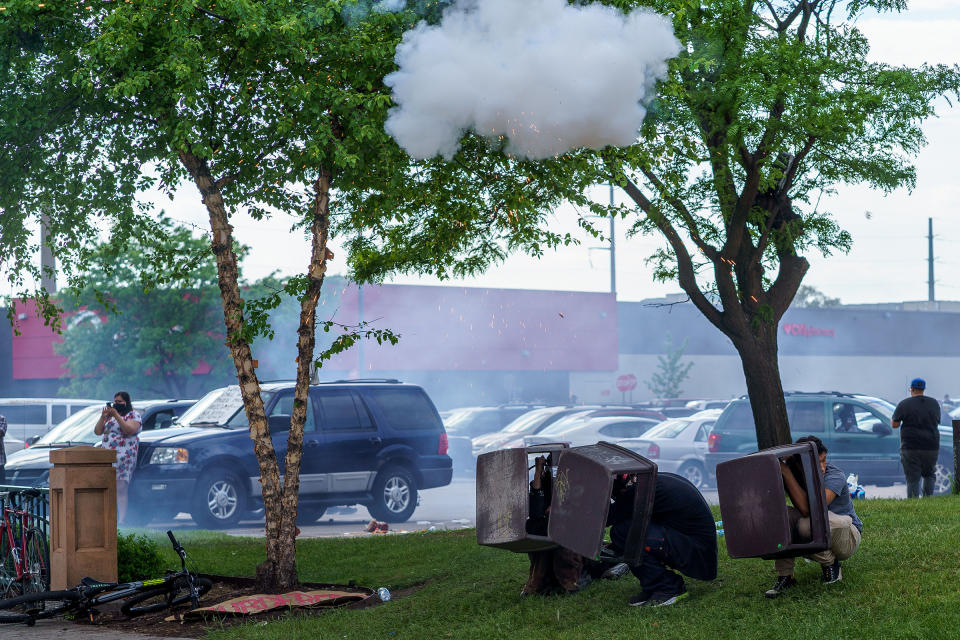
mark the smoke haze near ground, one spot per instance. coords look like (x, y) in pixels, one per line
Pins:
(546, 75)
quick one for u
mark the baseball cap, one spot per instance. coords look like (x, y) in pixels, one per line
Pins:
(918, 383)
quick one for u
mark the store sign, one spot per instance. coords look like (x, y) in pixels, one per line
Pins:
(805, 331)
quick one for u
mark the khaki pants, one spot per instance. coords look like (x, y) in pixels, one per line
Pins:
(844, 540)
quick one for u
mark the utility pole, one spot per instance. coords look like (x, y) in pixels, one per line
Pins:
(360, 355)
(613, 248)
(930, 295)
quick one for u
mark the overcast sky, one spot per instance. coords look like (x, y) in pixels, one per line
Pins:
(888, 261)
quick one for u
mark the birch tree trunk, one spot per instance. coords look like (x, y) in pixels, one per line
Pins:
(278, 571)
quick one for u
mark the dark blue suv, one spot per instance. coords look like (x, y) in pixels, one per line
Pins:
(374, 443)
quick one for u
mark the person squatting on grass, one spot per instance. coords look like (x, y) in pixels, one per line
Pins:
(845, 526)
(558, 570)
(681, 535)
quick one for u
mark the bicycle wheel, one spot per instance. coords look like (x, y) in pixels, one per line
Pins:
(9, 586)
(36, 606)
(36, 563)
(172, 594)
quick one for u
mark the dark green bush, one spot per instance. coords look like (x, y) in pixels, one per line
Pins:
(138, 557)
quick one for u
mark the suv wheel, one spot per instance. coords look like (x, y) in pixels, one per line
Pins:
(219, 500)
(943, 477)
(394, 495)
(693, 471)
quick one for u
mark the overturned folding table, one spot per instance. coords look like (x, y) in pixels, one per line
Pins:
(753, 504)
(580, 500)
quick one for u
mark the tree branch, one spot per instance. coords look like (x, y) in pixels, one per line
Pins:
(211, 14)
(686, 274)
(688, 219)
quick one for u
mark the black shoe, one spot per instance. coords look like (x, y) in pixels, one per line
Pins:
(583, 582)
(641, 599)
(782, 584)
(665, 599)
(616, 571)
(831, 572)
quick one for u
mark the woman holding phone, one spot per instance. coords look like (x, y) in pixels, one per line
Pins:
(119, 424)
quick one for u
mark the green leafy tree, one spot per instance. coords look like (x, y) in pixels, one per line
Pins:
(671, 372)
(770, 105)
(275, 107)
(812, 297)
(278, 109)
(127, 333)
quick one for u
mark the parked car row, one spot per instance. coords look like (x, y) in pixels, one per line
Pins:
(373, 443)
(580, 425)
(855, 428)
(29, 418)
(31, 466)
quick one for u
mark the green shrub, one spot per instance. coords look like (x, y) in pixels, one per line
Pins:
(138, 557)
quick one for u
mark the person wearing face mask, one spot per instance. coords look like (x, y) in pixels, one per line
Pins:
(119, 424)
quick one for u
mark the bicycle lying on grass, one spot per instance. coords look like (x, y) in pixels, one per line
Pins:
(145, 596)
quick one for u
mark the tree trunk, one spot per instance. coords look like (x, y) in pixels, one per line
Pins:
(758, 355)
(279, 569)
(280, 556)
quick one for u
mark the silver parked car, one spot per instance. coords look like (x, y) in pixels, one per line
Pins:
(678, 445)
(593, 430)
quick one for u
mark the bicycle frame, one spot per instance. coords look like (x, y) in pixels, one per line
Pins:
(16, 523)
(139, 597)
(90, 592)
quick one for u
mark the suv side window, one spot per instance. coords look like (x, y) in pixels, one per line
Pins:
(739, 417)
(406, 409)
(283, 409)
(343, 411)
(855, 418)
(805, 417)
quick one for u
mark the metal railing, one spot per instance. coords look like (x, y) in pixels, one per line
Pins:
(33, 500)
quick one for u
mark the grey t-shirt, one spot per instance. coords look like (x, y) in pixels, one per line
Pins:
(842, 505)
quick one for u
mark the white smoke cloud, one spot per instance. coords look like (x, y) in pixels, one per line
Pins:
(547, 75)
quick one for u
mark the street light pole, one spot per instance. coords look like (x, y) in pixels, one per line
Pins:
(930, 295)
(613, 247)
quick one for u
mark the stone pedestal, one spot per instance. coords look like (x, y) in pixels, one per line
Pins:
(83, 516)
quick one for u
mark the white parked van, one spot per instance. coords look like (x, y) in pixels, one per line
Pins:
(28, 417)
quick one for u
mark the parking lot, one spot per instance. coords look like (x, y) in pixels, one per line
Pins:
(445, 508)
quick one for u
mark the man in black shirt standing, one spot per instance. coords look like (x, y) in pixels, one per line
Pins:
(919, 417)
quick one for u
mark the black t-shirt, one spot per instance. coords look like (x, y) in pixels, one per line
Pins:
(687, 521)
(919, 417)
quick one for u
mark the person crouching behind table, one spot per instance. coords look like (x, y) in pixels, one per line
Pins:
(119, 424)
(557, 570)
(681, 535)
(845, 526)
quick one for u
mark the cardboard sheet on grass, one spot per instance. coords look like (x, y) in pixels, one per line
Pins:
(312, 596)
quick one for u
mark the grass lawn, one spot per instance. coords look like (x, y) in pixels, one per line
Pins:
(902, 583)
